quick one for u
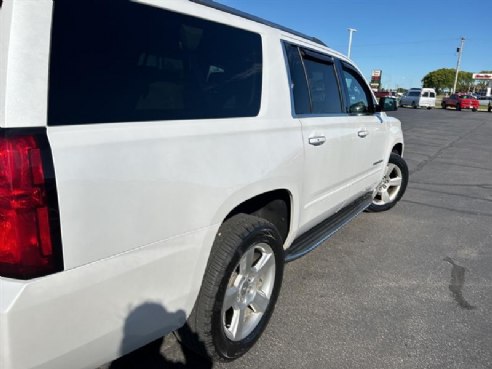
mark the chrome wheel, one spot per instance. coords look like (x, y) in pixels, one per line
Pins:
(248, 292)
(388, 189)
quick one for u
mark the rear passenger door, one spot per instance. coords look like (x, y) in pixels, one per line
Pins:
(334, 150)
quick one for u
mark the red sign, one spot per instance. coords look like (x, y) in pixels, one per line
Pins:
(482, 76)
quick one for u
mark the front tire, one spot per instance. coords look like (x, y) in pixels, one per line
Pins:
(239, 290)
(392, 186)
(458, 107)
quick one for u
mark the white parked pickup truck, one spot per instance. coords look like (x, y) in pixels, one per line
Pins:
(160, 161)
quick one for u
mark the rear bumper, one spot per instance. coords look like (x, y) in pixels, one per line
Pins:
(87, 316)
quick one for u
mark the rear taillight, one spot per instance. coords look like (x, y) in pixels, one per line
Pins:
(29, 223)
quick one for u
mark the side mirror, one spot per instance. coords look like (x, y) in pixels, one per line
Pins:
(388, 104)
(358, 108)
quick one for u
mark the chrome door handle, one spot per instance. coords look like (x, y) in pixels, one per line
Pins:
(317, 141)
(362, 133)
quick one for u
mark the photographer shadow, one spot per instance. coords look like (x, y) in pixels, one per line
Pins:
(138, 324)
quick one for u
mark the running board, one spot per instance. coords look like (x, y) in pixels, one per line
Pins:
(310, 240)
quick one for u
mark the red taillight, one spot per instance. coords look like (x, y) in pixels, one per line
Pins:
(26, 244)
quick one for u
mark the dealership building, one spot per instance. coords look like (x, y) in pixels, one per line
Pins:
(486, 77)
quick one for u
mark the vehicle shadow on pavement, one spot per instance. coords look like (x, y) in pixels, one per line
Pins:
(153, 356)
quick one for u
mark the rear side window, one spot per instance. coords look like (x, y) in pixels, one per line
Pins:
(314, 83)
(323, 87)
(432, 94)
(119, 61)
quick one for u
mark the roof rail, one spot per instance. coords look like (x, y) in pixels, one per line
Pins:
(228, 9)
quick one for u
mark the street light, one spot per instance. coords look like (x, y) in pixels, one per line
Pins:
(351, 30)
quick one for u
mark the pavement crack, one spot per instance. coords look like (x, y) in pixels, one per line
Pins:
(459, 211)
(457, 283)
(452, 194)
(424, 162)
(485, 186)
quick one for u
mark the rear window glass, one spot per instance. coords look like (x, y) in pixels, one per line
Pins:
(118, 61)
(323, 87)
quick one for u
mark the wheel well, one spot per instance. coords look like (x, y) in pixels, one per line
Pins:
(398, 149)
(274, 206)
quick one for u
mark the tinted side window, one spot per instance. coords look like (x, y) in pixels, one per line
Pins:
(299, 85)
(119, 61)
(359, 97)
(323, 87)
(432, 94)
(425, 94)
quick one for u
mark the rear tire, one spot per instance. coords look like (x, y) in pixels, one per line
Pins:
(239, 290)
(392, 186)
(458, 107)
(414, 105)
(443, 105)
(474, 109)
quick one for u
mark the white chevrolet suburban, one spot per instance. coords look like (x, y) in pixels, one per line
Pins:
(160, 161)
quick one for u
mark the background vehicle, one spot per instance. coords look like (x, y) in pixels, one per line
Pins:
(460, 101)
(419, 97)
(485, 101)
(158, 168)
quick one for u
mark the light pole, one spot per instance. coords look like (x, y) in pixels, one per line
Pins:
(460, 51)
(351, 30)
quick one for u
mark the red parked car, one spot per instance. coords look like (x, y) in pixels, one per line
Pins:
(461, 101)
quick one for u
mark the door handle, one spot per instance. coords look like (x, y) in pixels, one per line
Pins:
(362, 133)
(317, 141)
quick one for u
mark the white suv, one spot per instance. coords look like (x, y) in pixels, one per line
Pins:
(160, 160)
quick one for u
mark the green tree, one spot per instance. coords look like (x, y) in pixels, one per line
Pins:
(443, 79)
(439, 79)
(465, 81)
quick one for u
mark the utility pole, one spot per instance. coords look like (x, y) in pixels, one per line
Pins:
(460, 51)
(351, 30)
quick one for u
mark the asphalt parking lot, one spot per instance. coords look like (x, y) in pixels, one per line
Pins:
(409, 288)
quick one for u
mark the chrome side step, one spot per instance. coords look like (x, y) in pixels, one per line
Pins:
(310, 240)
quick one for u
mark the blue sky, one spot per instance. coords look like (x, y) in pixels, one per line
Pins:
(405, 39)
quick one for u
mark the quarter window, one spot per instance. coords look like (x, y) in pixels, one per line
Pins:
(299, 87)
(134, 62)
